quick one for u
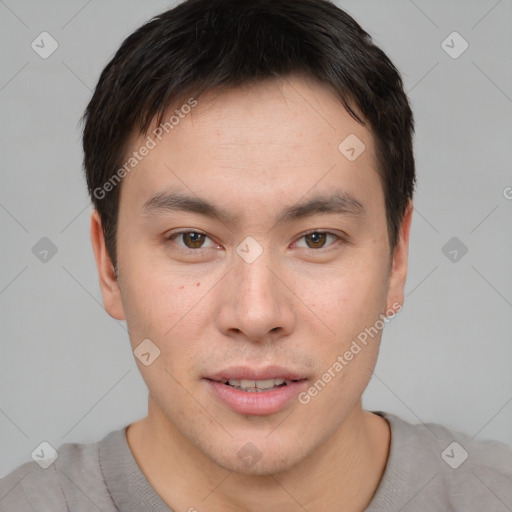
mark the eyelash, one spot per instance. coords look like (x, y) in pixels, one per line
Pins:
(314, 231)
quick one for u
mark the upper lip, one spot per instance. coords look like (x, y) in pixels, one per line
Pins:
(252, 373)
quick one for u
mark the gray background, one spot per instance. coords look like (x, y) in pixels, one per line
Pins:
(66, 370)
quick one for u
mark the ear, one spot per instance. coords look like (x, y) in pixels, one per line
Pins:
(108, 281)
(399, 263)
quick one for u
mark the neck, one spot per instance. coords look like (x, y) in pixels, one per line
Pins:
(342, 474)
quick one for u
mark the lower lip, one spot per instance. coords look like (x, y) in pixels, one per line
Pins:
(257, 403)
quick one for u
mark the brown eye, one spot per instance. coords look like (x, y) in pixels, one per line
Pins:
(193, 240)
(316, 240)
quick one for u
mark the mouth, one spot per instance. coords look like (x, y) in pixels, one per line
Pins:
(257, 386)
(256, 391)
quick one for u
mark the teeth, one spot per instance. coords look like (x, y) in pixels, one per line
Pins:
(256, 384)
(265, 384)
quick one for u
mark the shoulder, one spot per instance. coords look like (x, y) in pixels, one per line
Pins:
(73, 480)
(27, 487)
(432, 467)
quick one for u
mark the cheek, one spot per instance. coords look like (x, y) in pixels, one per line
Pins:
(350, 302)
(345, 299)
(171, 313)
(172, 308)
(346, 356)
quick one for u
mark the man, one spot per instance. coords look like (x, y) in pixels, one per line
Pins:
(252, 173)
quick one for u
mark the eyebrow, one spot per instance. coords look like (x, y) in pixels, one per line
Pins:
(337, 202)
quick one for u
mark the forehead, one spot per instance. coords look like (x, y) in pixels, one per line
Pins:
(279, 138)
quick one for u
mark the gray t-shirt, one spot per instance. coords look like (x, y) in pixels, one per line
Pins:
(429, 468)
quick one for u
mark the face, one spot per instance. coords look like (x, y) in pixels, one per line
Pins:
(250, 248)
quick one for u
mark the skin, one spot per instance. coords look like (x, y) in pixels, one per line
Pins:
(255, 151)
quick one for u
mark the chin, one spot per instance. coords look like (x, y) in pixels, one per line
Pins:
(272, 465)
(270, 459)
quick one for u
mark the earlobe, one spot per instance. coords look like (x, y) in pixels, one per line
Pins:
(106, 272)
(400, 262)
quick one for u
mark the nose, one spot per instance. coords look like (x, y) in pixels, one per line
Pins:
(256, 303)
